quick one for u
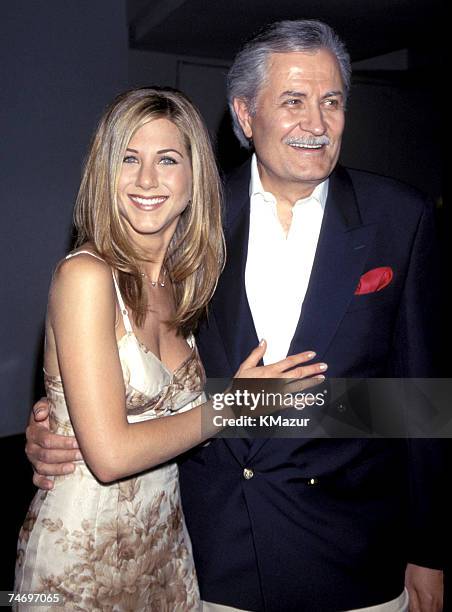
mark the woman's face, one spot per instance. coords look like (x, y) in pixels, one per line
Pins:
(155, 181)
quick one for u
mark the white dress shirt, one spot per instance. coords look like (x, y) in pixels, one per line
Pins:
(278, 267)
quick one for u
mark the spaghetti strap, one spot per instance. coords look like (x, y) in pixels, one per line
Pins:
(84, 253)
(122, 306)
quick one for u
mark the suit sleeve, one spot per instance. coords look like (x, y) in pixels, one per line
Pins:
(417, 352)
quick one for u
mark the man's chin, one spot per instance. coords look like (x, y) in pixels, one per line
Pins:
(314, 174)
(313, 178)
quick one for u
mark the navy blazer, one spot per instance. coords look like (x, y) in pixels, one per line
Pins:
(323, 525)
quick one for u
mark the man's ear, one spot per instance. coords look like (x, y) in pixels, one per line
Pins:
(243, 115)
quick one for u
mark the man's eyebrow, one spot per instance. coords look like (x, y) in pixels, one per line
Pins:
(293, 94)
(300, 94)
(333, 93)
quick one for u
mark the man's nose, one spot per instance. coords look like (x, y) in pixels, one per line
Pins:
(147, 176)
(313, 120)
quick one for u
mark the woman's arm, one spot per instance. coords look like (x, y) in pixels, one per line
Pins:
(82, 315)
(82, 310)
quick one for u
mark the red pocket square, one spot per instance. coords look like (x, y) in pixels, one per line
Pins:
(374, 280)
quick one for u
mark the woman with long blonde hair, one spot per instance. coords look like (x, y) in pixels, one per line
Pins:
(122, 371)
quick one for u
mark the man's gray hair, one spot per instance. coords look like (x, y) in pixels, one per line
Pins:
(249, 70)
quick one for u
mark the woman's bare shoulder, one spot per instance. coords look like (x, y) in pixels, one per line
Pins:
(82, 297)
(83, 272)
(83, 261)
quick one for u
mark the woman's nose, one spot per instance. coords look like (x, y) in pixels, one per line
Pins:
(147, 176)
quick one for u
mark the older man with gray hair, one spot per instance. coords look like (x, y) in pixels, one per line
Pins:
(323, 258)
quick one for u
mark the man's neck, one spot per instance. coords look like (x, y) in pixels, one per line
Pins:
(286, 194)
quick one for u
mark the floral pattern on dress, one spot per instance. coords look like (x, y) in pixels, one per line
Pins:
(132, 563)
(119, 546)
(189, 377)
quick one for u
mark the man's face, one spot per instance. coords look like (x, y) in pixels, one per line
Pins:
(298, 123)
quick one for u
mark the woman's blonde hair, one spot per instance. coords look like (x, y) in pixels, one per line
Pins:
(195, 255)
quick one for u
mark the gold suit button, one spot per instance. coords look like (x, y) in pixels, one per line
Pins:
(248, 473)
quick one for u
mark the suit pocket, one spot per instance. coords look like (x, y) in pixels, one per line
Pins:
(377, 299)
(383, 472)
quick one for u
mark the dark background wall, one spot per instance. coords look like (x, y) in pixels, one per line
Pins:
(62, 62)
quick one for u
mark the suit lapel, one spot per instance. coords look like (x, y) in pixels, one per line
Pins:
(230, 305)
(339, 261)
(338, 264)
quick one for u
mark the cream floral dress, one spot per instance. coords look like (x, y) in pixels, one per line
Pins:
(121, 546)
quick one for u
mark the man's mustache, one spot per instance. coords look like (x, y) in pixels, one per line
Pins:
(311, 141)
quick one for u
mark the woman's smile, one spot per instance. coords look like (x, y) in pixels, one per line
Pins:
(148, 203)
